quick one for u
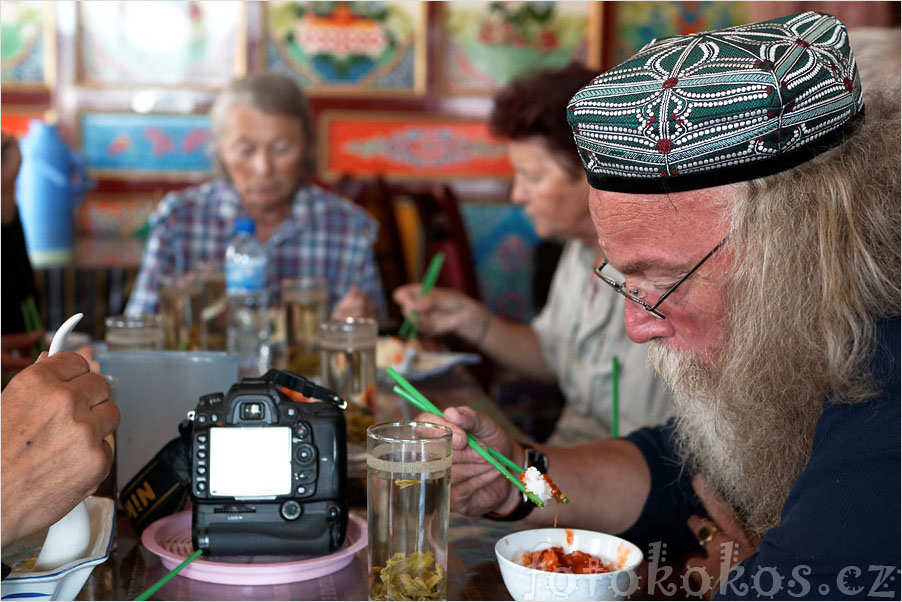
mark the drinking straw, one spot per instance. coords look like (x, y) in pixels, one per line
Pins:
(146, 594)
(474, 443)
(615, 386)
(411, 323)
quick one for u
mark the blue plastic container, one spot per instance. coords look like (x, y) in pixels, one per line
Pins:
(50, 185)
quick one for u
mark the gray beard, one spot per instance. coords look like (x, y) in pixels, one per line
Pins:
(749, 448)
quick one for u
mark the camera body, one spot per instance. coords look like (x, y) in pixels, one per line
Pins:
(267, 473)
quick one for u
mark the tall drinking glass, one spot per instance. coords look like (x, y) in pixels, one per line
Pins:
(348, 367)
(306, 303)
(134, 332)
(348, 358)
(408, 467)
(214, 304)
(180, 299)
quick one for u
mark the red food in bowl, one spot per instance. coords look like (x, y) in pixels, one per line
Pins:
(554, 560)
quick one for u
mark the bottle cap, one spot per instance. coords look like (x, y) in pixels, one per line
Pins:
(245, 225)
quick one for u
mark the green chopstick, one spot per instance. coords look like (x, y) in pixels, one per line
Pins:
(615, 393)
(471, 438)
(146, 594)
(428, 406)
(411, 323)
(32, 323)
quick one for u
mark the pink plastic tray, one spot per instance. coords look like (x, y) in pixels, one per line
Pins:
(170, 539)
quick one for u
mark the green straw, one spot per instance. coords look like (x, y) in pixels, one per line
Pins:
(146, 594)
(428, 406)
(411, 323)
(615, 393)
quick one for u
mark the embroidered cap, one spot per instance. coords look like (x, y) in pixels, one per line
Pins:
(722, 106)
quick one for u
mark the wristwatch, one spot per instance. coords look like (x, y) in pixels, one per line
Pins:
(531, 457)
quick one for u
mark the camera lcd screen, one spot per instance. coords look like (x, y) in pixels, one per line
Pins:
(250, 462)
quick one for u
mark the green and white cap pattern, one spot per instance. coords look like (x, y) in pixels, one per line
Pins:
(706, 109)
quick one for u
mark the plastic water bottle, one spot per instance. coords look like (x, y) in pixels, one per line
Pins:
(248, 323)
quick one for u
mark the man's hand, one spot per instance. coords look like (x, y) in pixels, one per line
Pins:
(56, 415)
(354, 305)
(476, 486)
(15, 349)
(443, 311)
(724, 537)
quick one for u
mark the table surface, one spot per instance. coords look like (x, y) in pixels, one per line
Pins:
(472, 569)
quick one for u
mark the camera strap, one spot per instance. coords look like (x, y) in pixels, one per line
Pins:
(307, 388)
(161, 486)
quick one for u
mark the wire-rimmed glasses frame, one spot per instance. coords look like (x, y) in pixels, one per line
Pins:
(633, 294)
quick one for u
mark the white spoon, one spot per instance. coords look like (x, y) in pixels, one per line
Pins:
(68, 538)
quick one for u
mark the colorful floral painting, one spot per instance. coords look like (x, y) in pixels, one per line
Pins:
(408, 145)
(638, 23)
(486, 45)
(121, 144)
(349, 48)
(198, 44)
(22, 43)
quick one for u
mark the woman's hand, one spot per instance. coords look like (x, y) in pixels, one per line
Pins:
(444, 311)
(354, 305)
(476, 486)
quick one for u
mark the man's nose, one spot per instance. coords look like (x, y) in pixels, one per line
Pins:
(643, 326)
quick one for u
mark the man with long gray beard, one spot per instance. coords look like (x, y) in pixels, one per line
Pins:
(748, 209)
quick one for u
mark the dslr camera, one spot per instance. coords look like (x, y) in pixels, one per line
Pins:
(267, 472)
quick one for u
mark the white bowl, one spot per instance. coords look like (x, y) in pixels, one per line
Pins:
(64, 582)
(525, 583)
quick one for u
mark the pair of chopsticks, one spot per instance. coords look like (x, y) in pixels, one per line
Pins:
(411, 323)
(501, 462)
(32, 323)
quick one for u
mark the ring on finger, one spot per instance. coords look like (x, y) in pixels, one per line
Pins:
(707, 533)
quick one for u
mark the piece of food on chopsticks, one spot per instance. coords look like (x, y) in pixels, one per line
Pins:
(554, 560)
(540, 485)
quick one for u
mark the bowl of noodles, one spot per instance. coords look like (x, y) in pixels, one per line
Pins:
(567, 564)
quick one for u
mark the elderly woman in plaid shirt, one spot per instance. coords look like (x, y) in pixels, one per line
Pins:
(263, 147)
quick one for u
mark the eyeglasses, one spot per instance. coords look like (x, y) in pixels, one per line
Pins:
(635, 295)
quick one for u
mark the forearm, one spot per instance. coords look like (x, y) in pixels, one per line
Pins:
(514, 346)
(606, 481)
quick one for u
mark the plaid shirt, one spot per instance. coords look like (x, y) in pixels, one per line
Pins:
(325, 235)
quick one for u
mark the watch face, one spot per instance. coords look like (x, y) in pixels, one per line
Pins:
(536, 458)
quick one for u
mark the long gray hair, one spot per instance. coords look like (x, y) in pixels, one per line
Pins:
(270, 93)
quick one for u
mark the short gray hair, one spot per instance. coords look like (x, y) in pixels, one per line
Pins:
(270, 93)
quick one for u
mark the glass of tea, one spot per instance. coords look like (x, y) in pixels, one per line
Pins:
(180, 302)
(408, 467)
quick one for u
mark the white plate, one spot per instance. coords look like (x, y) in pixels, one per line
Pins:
(431, 364)
(64, 582)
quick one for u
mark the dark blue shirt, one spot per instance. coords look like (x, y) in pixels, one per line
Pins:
(839, 532)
